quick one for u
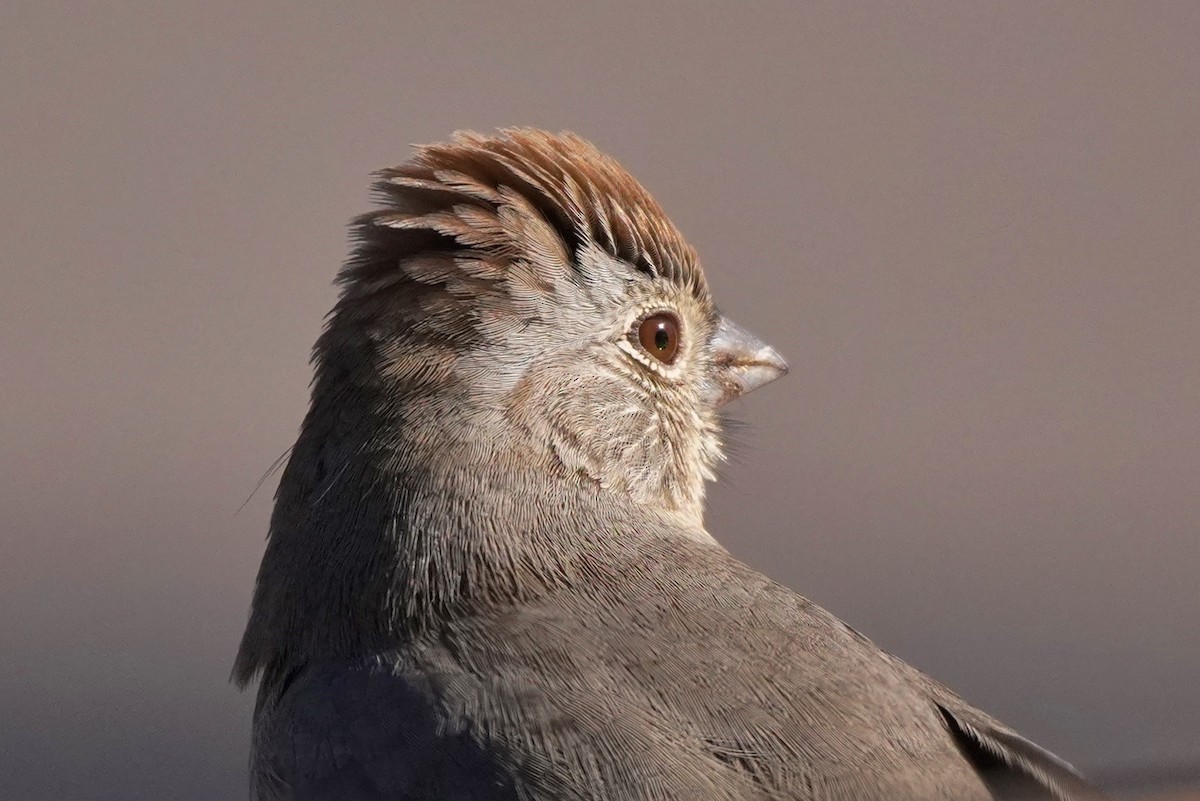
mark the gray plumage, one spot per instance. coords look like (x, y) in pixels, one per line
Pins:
(487, 575)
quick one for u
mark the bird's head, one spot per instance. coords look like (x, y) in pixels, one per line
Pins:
(520, 300)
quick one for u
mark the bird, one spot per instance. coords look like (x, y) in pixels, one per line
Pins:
(487, 573)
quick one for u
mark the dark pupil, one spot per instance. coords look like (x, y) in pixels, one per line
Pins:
(662, 339)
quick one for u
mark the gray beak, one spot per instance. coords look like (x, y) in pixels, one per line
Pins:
(742, 362)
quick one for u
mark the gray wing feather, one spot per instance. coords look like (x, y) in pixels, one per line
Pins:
(1012, 766)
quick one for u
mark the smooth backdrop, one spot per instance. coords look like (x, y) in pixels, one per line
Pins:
(972, 228)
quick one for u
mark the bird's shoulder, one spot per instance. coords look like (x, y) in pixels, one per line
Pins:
(672, 643)
(699, 676)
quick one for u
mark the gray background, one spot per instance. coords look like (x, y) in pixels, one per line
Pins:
(972, 229)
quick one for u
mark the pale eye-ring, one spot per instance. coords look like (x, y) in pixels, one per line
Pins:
(658, 334)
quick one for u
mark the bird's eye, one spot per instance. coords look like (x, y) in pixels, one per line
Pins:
(658, 334)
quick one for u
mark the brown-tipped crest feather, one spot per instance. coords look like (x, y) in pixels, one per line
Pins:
(479, 192)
